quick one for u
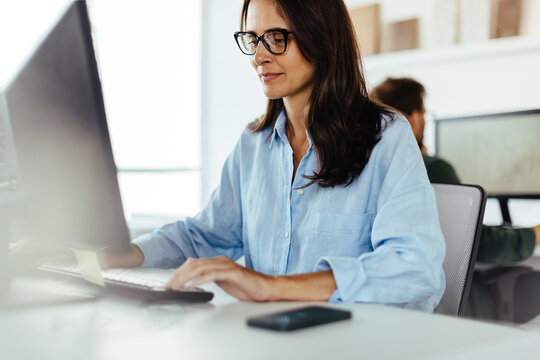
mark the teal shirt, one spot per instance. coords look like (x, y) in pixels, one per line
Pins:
(497, 244)
(440, 171)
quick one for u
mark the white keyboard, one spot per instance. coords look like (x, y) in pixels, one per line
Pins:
(147, 282)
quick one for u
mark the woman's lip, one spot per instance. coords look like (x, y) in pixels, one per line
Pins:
(269, 76)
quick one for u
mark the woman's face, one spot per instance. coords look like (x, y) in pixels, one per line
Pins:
(285, 75)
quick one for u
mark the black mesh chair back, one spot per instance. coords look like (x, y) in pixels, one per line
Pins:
(461, 212)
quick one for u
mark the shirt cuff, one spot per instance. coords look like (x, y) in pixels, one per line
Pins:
(347, 276)
(149, 249)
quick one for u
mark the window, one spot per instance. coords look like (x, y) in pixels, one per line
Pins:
(149, 59)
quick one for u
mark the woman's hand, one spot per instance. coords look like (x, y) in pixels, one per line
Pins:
(242, 283)
(249, 285)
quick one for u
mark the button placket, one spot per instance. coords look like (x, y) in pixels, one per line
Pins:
(286, 231)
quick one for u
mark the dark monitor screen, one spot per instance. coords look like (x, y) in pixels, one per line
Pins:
(55, 107)
(10, 191)
(500, 152)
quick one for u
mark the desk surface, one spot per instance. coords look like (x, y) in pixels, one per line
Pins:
(113, 327)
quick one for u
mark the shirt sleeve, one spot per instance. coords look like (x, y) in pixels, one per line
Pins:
(216, 230)
(502, 245)
(405, 266)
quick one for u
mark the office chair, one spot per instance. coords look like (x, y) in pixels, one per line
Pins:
(461, 211)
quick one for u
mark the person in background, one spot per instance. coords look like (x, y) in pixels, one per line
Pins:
(497, 244)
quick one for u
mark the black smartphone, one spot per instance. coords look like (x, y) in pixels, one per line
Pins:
(299, 318)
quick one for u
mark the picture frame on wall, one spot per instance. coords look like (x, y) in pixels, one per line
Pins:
(401, 35)
(505, 18)
(366, 21)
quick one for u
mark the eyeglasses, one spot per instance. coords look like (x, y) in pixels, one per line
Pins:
(274, 40)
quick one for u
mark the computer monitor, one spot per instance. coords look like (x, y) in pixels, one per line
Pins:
(10, 191)
(63, 151)
(11, 195)
(500, 152)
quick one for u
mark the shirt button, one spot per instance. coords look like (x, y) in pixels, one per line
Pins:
(287, 234)
(300, 191)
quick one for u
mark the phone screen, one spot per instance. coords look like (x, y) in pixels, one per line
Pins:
(299, 318)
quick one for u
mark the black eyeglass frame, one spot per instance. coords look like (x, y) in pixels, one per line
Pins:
(284, 32)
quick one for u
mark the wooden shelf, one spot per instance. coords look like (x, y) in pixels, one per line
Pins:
(460, 52)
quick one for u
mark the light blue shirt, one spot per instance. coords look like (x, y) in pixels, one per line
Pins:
(380, 235)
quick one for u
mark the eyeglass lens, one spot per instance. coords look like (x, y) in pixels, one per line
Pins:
(274, 40)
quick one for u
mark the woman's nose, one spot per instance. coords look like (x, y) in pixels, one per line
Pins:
(262, 54)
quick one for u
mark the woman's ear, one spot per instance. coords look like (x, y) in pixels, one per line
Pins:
(416, 124)
(413, 118)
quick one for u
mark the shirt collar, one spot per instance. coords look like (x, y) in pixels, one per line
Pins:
(280, 131)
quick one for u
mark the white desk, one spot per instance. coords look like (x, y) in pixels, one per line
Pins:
(112, 327)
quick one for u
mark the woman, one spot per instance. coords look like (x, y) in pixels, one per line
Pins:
(321, 194)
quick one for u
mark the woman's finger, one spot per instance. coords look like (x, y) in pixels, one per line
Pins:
(194, 268)
(217, 274)
(182, 274)
(230, 280)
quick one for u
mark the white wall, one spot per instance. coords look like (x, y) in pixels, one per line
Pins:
(464, 79)
(21, 30)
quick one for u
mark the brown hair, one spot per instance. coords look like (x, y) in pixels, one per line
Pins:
(342, 122)
(403, 94)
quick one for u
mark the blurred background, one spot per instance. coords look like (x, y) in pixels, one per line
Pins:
(178, 92)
